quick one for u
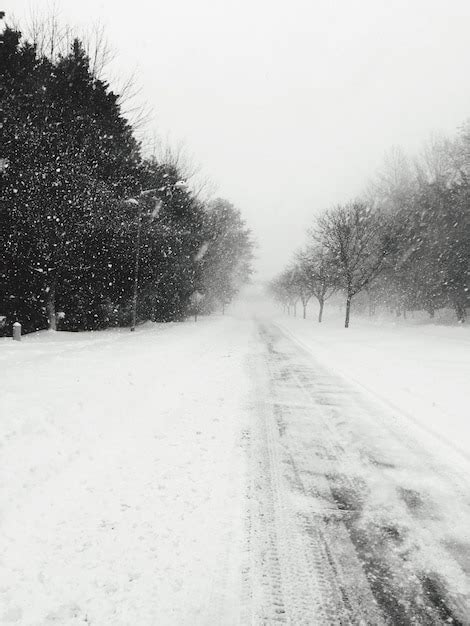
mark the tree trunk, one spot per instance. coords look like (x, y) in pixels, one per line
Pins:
(223, 308)
(460, 311)
(371, 304)
(320, 312)
(295, 310)
(50, 308)
(305, 311)
(348, 311)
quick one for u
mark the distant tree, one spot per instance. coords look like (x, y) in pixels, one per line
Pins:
(276, 288)
(301, 281)
(171, 239)
(394, 185)
(225, 257)
(287, 288)
(318, 274)
(440, 257)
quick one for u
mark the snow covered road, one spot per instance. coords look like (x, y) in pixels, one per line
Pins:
(218, 473)
(353, 520)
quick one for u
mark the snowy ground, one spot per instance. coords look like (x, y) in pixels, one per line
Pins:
(121, 474)
(423, 370)
(236, 471)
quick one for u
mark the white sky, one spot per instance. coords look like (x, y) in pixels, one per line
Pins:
(288, 106)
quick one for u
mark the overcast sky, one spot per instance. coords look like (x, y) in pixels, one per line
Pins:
(288, 106)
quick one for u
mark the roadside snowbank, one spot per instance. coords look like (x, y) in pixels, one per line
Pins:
(122, 473)
(422, 370)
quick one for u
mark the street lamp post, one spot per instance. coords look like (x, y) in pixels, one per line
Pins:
(136, 267)
(137, 202)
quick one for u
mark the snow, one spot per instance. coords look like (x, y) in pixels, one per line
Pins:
(129, 462)
(421, 370)
(122, 474)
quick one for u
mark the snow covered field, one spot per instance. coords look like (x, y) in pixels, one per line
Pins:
(421, 370)
(121, 473)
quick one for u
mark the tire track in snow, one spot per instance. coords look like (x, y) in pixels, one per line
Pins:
(294, 576)
(427, 598)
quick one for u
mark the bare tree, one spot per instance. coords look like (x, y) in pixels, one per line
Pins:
(53, 39)
(98, 50)
(358, 244)
(177, 155)
(301, 283)
(285, 289)
(438, 162)
(393, 186)
(319, 274)
(47, 34)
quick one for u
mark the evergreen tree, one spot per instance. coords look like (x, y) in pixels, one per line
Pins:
(84, 219)
(71, 158)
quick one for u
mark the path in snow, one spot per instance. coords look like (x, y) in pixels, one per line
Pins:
(350, 520)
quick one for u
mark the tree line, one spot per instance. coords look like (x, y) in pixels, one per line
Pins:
(403, 246)
(79, 200)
